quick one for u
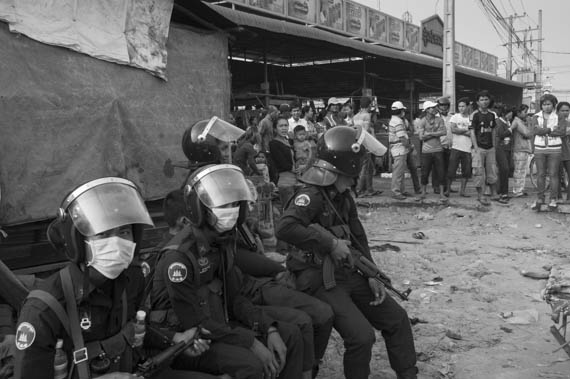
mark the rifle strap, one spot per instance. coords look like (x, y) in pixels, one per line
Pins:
(80, 356)
(54, 305)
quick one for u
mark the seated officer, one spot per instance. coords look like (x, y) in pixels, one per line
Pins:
(359, 304)
(202, 150)
(196, 283)
(88, 302)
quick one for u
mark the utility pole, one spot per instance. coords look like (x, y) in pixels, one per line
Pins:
(448, 84)
(539, 60)
(509, 44)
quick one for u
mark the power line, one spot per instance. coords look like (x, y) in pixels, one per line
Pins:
(556, 52)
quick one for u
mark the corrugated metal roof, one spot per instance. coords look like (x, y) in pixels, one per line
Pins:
(289, 28)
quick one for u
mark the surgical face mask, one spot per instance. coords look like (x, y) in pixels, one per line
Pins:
(224, 219)
(111, 256)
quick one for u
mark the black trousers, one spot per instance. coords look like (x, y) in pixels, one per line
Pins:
(433, 161)
(504, 164)
(221, 358)
(320, 313)
(445, 162)
(355, 320)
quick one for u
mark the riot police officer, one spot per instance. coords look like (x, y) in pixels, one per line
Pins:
(196, 283)
(359, 304)
(88, 303)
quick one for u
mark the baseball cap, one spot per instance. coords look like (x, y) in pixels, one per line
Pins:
(398, 105)
(428, 104)
(443, 100)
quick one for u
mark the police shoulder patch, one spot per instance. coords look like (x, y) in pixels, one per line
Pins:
(302, 200)
(177, 272)
(25, 335)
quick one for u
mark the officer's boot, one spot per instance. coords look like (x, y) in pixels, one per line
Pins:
(411, 373)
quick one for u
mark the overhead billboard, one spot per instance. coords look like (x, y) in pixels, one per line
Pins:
(330, 14)
(395, 32)
(275, 6)
(355, 20)
(377, 29)
(432, 36)
(412, 37)
(458, 53)
(305, 10)
(476, 59)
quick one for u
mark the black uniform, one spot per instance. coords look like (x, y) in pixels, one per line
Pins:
(350, 298)
(189, 290)
(102, 315)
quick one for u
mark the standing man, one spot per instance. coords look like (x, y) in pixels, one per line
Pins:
(365, 180)
(399, 148)
(267, 132)
(483, 123)
(333, 118)
(359, 304)
(431, 128)
(460, 146)
(443, 105)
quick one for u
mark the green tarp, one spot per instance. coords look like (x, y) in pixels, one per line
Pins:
(66, 118)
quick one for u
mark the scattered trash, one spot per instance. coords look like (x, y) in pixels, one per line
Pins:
(505, 329)
(432, 283)
(535, 274)
(538, 225)
(438, 279)
(385, 247)
(521, 317)
(406, 282)
(419, 235)
(424, 216)
(453, 335)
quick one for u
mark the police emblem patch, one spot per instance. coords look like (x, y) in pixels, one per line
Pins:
(302, 200)
(145, 267)
(25, 335)
(204, 264)
(177, 272)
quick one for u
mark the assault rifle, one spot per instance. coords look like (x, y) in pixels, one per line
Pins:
(363, 265)
(151, 366)
(368, 269)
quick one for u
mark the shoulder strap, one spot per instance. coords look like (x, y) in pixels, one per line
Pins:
(80, 357)
(54, 305)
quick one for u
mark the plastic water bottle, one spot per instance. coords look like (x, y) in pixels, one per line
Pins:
(140, 329)
(60, 361)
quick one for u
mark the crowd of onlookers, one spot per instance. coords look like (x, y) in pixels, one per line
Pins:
(482, 141)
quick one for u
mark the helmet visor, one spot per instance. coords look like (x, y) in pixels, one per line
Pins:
(220, 185)
(217, 128)
(108, 206)
(372, 144)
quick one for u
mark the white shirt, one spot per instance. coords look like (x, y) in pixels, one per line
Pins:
(461, 142)
(293, 123)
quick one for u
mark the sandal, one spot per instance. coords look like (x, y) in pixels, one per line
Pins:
(419, 235)
(484, 201)
(463, 194)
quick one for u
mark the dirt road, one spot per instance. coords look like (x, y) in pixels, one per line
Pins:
(464, 275)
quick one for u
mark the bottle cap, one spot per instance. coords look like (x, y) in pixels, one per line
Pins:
(59, 344)
(141, 315)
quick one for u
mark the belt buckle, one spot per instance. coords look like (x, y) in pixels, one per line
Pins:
(80, 355)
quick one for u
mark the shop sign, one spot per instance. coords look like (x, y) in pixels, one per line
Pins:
(412, 37)
(395, 32)
(377, 29)
(432, 36)
(330, 14)
(305, 10)
(355, 18)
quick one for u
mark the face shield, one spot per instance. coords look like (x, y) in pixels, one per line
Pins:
(105, 204)
(363, 138)
(220, 185)
(217, 128)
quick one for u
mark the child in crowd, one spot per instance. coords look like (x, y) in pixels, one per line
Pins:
(302, 149)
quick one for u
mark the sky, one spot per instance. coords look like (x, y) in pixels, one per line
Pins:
(474, 29)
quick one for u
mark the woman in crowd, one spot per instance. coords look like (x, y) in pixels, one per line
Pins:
(563, 110)
(547, 149)
(282, 157)
(521, 148)
(247, 149)
(503, 145)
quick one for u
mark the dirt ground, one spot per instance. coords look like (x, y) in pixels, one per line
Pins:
(478, 254)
